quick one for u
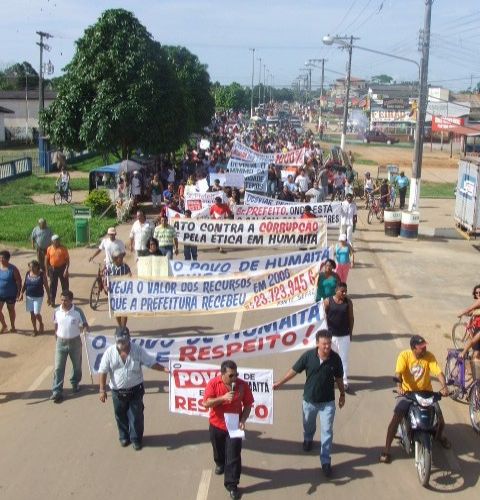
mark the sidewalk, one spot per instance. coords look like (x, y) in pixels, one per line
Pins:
(432, 277)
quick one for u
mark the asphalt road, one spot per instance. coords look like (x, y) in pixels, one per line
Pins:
(71, 450)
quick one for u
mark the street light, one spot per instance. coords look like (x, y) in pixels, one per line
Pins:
(253, 71)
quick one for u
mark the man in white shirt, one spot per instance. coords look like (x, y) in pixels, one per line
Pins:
(348, 218)
(315, 194)
(302, 182)
(123, 363)
(69, 322)
(140, 233)
(110, 245)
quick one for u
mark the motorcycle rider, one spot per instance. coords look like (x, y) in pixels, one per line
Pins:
(413, 371)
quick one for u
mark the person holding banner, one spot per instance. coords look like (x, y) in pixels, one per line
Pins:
(220, 211)
(166, 237)
(227, 395)
(324, 369)
(190, 252)
(140, 233)
(123, 363)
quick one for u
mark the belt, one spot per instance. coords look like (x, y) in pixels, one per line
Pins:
(133, 389)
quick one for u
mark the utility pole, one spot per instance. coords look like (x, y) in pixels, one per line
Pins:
(413, 201)
(347, 96)
(43, 46)
(251, 90)
(264, 69)
(259, 81)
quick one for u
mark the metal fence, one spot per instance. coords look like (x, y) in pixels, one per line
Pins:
(15, 168)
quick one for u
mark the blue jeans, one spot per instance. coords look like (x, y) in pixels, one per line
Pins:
(166, 251)
(65, 348)
(190, 252)
(327, 414)
(129, 415)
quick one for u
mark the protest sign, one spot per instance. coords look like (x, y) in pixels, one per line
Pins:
(225, 293)
(228, 179)
(246, 167)
(329, 212)
(294, 158)
(242, 152)
(256, 182)
(196, 214)
(257, 199)
(249, 265)
(187, 383)
(293, 332)
(152, 266)
(257, 233)
(197, 201)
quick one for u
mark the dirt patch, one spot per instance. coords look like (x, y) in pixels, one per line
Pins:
(47, 199)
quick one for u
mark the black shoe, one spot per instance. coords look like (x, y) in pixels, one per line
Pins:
(235, 494)
(327, 470)
(124, 443)
(75, 389)
(219, 470)
(137, 445)
(307, 445)
(56, 398)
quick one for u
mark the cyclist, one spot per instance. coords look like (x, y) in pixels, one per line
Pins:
(413, 371)
(384, 191)
(368, 187)
(118, 268)
(474, 325)
(63, 181)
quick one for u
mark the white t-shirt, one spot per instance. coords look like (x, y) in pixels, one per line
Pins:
(302, 182)
(348, 210)
(141, 233)
(110, 247)
(69, 323)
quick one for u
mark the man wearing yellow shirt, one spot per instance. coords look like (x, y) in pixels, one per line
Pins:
(414, 368)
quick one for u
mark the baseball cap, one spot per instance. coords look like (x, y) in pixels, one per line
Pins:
(122, 334)
(41, 220)
(111, 230)
(55, 237)
(342, 237)
(417, 340)
(308, 208)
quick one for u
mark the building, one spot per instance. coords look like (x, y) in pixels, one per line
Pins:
(22, 122)
(358, 87)
(3, 112)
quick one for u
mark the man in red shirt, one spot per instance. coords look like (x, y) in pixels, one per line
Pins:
(308, 213)
(220, 210)
(227, 393)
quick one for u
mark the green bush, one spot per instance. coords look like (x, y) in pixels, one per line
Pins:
(98, 200)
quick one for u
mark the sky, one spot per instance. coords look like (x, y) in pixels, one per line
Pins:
(285, 34)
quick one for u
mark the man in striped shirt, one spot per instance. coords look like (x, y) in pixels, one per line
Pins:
(118, 268)
(167, 238)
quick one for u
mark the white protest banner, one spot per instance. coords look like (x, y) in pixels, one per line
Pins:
(225, 293)
(204, 144)
(257, 199)
(198, 201)
(242, 152)
(228, 179)
(246, 167)
(249, 265)
(328, 211)
(295, 157)
(202, 186)
(187, 383)
(196, 214)
(293, 332)
(256, 182)
(257, 233)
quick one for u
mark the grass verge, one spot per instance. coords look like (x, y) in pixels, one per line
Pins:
(17, 224)
(437, 189)
(91, 163)
(18, 192)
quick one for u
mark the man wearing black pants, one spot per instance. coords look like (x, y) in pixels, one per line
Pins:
(227, 394)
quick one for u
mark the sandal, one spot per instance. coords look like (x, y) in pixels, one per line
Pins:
(445, 443)
(385, 458)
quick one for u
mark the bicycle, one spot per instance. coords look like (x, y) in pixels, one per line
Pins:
(62, 195)
(462, 331)
(98, 286)
(375, 210)
(455, 375)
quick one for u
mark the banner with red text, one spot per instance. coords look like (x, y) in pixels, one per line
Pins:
(294, 158)
(187, 383)
(293, 332)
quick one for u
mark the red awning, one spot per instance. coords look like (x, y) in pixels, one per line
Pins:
(469, 130)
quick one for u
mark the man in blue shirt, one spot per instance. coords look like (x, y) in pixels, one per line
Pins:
(402, 182)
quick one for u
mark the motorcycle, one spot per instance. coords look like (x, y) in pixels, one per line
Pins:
(417, 430)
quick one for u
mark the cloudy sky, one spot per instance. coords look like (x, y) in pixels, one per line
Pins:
(284, 33)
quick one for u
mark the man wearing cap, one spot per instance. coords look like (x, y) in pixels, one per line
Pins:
(57, 262)
(413, 371)
(123, 363)
(41, 238)
(308, 213)
(110, 244)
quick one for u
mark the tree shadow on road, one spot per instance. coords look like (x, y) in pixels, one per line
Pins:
(6, 354)
(379, 295)
(367, 337)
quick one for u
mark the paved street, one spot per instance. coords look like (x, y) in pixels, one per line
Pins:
(71, 450)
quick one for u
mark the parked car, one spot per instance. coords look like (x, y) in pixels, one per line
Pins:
(378, 136)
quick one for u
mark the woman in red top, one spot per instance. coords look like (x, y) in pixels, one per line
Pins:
(226, 393)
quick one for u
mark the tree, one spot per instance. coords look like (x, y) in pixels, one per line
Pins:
(382, 79)
(17, 76)
(195, 82)
(232, 96)
(118, 93)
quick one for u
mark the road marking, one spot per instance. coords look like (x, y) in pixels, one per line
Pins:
(397, 340)
(371, 283)
(38, 381)
(238, 321)
(381, 306)
(202, 493)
